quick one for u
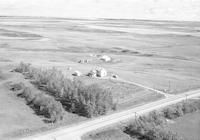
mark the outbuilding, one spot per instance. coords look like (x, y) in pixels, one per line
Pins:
(101, 72)
(105, 58)
(92, 73)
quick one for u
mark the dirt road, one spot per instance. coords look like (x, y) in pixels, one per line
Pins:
(75, 132)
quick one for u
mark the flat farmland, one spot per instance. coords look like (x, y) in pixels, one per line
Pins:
(161, 55)
(187, 126)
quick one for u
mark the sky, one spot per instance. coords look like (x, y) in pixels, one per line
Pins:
(188, 10)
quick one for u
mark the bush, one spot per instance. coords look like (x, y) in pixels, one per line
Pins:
(43, 104)
(150, 127)
(170, 113)
(156, 117)
(87, 100)
(29, 95)
(74, 95)
(196, 103)
(178, 110)
(189, 107)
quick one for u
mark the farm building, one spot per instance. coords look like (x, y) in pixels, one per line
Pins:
(101, 72)
(105, 58)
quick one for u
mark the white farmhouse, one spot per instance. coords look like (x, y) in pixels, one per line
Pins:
(105, 58)
(101, 72)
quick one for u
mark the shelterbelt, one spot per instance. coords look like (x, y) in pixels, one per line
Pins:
(74, 132)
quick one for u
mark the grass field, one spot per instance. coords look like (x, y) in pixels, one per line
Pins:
(162, 55)
(159, 54)
(15, 115)
(187, 126)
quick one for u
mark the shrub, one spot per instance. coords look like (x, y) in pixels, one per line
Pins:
(188, 107)
(22, 68)
(98, 101)
(196, 103)
(43, 104)
(148, 128)
(169, 113)
(87, 100)
(156, 117)
(178, 110)
(74, 95)
(152, 126)
(29, 95)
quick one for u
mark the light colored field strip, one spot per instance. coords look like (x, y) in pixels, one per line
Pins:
(145, 87)
(149, 88)
(74, 132)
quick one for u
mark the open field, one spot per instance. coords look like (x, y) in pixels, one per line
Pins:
(15, 116)
(187, 126)
(161, 55)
